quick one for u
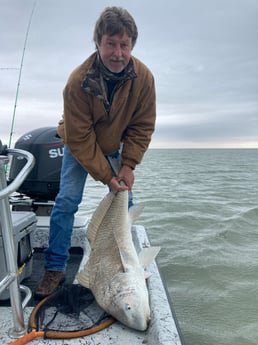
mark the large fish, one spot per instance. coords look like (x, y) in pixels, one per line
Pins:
(114, 272)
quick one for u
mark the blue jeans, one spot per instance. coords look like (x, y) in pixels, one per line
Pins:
(72, 181)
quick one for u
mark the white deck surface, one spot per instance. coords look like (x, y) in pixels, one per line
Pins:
(161, 331)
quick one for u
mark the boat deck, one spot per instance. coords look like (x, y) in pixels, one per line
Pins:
(163, 328)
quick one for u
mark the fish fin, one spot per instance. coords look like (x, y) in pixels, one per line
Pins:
(98, 216)
(83, 277)
(126, 260)
(134, 212)
(147, 255)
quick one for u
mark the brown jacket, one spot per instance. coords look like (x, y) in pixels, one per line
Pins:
(91, 133)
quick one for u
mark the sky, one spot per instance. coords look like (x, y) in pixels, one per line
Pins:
(202, 53)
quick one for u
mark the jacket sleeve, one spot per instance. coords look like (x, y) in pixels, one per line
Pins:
(78, 133)
(139, 131)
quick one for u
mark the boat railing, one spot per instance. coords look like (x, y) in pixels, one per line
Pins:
(11, 279)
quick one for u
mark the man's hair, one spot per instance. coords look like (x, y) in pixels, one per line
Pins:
(115, 21)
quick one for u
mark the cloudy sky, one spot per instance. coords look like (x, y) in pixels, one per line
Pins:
(203, 54)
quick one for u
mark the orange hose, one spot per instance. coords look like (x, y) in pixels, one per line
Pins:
(61, 335)
(27, 338)
(56, 334)
(77, 334)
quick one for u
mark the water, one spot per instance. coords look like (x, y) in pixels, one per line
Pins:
(201, 207)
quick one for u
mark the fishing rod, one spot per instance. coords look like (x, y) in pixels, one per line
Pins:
(20, 73)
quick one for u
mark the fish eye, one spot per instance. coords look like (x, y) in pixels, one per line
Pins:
(127, 306)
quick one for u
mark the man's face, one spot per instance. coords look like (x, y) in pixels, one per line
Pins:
(115, 51)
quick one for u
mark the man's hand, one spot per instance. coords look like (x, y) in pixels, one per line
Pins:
(125, 175)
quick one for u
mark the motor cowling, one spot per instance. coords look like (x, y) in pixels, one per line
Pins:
(47, 147)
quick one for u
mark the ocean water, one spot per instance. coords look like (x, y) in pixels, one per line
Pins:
(201, 207)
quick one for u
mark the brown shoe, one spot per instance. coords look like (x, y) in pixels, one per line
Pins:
(49, 283)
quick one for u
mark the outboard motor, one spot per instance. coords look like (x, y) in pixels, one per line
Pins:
(47, 147)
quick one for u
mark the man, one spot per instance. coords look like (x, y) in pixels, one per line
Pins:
(108, 100)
